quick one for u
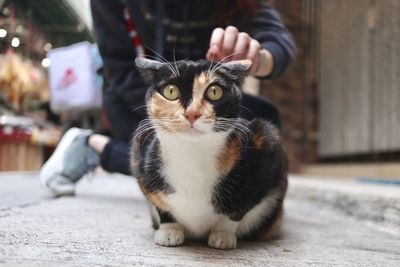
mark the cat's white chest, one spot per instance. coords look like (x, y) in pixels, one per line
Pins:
(190, 167)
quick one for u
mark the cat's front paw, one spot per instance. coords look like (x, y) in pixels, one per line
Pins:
(169, 235)
(222, 240)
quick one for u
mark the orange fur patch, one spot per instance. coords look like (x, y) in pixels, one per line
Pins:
(262, 142)
(158, 198)
(163, 109)
(159, 107)
(200, 84)
(259, 140)
(229, 156)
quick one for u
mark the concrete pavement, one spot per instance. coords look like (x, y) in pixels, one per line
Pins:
(107, 224)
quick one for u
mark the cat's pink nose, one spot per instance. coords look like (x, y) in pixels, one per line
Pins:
(192, 116)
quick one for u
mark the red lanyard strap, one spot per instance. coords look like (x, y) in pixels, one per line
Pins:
(133, 34)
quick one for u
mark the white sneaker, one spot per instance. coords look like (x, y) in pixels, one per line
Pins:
(72, 159)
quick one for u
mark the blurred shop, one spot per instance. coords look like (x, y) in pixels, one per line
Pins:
(29, 31)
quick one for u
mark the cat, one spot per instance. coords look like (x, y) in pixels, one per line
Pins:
(206, 172)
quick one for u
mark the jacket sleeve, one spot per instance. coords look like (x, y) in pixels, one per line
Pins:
(267, 28)
(117, 51)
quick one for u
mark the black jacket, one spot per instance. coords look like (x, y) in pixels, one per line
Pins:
(186, 31)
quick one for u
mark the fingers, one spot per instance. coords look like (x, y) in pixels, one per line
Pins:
(216, 40)
(230, 44)
(241, 46)
(253, 53)
(222, 43)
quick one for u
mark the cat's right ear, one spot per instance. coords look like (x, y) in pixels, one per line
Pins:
(147, 67)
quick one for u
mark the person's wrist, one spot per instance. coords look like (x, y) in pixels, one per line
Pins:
(98, 142)
(265, 63)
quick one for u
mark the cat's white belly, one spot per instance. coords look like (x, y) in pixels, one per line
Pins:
(195, 213)
(198, 217)
(191, 169)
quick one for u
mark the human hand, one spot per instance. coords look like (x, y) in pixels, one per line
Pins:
(230, 44)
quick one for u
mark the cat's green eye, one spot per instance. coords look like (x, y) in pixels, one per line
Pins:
(214, 92)
(171, 92)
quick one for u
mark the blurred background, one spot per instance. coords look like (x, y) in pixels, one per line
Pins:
(340, 101)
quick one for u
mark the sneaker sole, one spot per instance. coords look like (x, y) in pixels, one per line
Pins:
(66, 189)
(54, 164)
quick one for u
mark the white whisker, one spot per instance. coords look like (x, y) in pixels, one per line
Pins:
(219, 64)
(170, 67)
(176, 67)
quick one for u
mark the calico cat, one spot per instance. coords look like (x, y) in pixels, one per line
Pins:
(205, 171)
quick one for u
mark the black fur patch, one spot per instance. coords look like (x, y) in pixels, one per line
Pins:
(257, 173)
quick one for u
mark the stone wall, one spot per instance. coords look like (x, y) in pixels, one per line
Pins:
(295, 92)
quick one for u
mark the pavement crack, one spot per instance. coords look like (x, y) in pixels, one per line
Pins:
(21, 206)
(27, 205)
(5, 209)
(5, 212)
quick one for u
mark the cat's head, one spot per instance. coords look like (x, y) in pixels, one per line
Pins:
(193, 98)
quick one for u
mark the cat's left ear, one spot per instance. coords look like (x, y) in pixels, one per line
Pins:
(239, 65)
(239, 68)
(147, 67)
